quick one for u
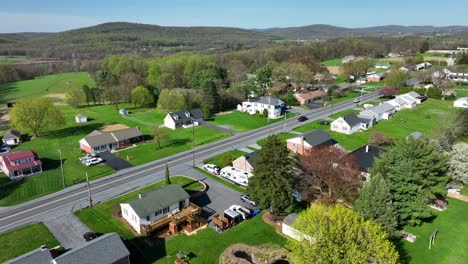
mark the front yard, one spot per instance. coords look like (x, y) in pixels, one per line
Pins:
(241, 122)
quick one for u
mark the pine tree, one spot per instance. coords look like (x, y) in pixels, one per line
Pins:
(375, 203)
(273, 176)
(211, 99)
(168, 178)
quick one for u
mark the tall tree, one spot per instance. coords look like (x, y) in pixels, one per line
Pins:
(273, 178)
(75, 97)
(142, 96)
(171, 100)
(375, 203)
(415, 172)
(338, 235)
(211, 100)
(36, 115)
(458, 164)
(460, 123)
(160, 134)
(166, 175)
(396, 80)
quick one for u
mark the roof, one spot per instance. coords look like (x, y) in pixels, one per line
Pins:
(383, 63)
(79, 116)
(352, 119)
(317, 137)
(12, 134)
(98, 138)
(408, 98)
(106, 249)
(18, 155)
(290, 219)
(251, 157)
(398, 101)
(158, 199)
(37, 256)
(413, 82)
(184, 116)
(462, 99)
(311, 95)
(270, 100)
(413, 94)
(132, 132)
(382, 108)
(365, 160)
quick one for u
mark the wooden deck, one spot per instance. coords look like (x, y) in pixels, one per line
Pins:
(190, 211)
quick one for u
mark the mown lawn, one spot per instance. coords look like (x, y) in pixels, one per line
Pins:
(23, 240)
(332, 62)
(218, 159)
(344, 97)
(150, 115)
(464, 191)
(243, 121)
(45, 85)
(450, 242)
(181, 140)
(282, 136)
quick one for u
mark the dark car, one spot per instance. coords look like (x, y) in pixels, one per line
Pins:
(88, 236)
(323, 122)
(302, 118)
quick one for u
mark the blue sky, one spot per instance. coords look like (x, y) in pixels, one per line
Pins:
(60, 15)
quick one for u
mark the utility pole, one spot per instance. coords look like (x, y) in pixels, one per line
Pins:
(89, 191)
(193, 142)
(285, 121)
(61, 167)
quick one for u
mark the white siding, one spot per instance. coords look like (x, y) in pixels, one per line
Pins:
(169, 122)
(131, 217)
(341, 126)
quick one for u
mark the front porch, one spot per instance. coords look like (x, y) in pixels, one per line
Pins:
(24, 172)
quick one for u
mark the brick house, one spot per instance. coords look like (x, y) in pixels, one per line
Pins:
(309, 97)
(98, 141)
(305, 142)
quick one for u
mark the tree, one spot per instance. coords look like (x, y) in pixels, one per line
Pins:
(166, 175)
(415, 173)
(75, 97)
(424, 46)
(171, 100)
(375, 202)
(388, 91)
(36, 115)
(462, 58)
(290, 99)
(273, 178)
(460, 124)
(227, 159)
(142, 96)
(264, 76)
(379, 138)
(113, 95)
(289, 73)
(338, 235)
(396, 79)
(330, 175)
(210, 99)
(160, 134)
(458, 164)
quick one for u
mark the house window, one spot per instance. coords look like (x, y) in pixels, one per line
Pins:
(166, 210)
(125, 212)
(147, 218)
(157, 212)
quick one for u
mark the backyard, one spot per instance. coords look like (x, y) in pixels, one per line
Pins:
(332, 62)
(242, 122)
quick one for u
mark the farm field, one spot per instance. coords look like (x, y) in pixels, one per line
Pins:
(53, 86)
(249, 122)
(332, 62)
(23, 240)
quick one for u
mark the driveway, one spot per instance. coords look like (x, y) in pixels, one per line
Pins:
(68, 230)
(219, 128)
(114, 161)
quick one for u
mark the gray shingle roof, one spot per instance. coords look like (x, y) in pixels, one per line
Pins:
(12, 134)
(158, 199)
(365, 160)
(290, 219)
(272, 100)
(184, 116)
(317, 137)
(132, 132)
(251, 157)
(352, 119)
(105, 249)
(37, 256)
(98, 138)
(382, 108)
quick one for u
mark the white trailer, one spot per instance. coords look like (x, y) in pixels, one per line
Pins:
(235, 175)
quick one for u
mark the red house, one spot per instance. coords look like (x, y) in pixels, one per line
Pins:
(19, 164)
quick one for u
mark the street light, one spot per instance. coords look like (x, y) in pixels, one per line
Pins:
(61, 167)
(193, 142)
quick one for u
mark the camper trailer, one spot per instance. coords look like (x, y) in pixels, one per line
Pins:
(237, 176)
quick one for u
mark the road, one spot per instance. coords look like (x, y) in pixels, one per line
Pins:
(103, 189)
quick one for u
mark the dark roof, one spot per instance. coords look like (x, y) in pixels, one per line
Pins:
(132, 132)
(184, 116)
(290, 219)
(271, 100)
(251, 157)
(352, 119)
(98, 138)
(317, 137)
(106, 249)
(36, 256)
(365, 160)
(12, 134)
(158, 199)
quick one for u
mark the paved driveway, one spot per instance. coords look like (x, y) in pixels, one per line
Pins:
(68, 230)
(114, 161)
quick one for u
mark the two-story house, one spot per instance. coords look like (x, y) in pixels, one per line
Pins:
(273, 105)
(19, 164)
(183, 118)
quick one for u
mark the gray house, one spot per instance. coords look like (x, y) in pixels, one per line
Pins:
(379, 112)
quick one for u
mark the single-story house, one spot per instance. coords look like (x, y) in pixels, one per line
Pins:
(273, 105)
(398, 103)
(105, 249)
(361, 80)
(305, 142)
(19, 164)
(156, 209)
(12, 137)
(382, 65)
(246, 162)
(406, 68)
(309, 97)
(351, 123)
(288, 229)
(417, 97)
(379, 112)
(98, 141)
(81, 119)
(365, 156)
(376, 77)
(422, 66)
(413, 82)
(183, 118)
(453, 188)
(395, 54)
(410, 101)
(461, 102)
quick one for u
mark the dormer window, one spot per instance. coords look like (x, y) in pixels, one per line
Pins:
(176, 117)
(187, 114)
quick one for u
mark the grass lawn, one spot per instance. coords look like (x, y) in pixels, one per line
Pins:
(23, 240)
(345, 112)
(218, 159)
(312, 126)
(181, 140)
(45, 85)
(243, 121)
(435, 54)
(282, 136)
(150, 115)
(451, 240)
(329, 63)
(222, 181)
(464, 191)
(11, 59)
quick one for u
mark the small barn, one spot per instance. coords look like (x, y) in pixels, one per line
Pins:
(81, 119)
(123, 111)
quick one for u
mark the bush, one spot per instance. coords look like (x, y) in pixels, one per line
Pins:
(290, 99)
(227, 159)
(379, 138)
(265, 113)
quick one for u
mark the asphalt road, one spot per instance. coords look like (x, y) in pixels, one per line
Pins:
(121, 182)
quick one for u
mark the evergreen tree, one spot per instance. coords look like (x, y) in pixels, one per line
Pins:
(375, 203)
(273, 176)
(168, 178)
(211, 99)
(415, 172)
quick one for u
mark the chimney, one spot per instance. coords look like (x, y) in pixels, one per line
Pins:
(140, 196)
(367, 148)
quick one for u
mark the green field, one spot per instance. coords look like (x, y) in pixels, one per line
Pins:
(451, 240)
(23, 240)
(464, 191)
(435, 54)
(330, 63)
(218, 159)
(11, 59)
(243, 121)
(52, 85)
(150, 115)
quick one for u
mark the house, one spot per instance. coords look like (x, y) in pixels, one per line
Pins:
(365, 156)
(438, 204)
(415, 96)
(105, 249)
(376, 77)
(159, 208)
(246, 162)
(350, 124)
(98, 141)
(406, 68)
(379, 112)
(183, 118)
(453, 188)
(309, 97)
(382, 65)
(350, 58)
(12, 137)
(451, 61)
(81, 119)
(457, 77)
(273, 105)
(361, 80)
(19, 164)
(398, 103)
(395, 55)
(413, 82)
(305, 142)
(422, 66)
(288, 229)
(411, 102)
(461, 102)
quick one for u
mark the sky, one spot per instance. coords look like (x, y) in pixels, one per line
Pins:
(61, 15)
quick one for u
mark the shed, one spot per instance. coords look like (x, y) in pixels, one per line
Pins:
(81, 119)
(12, 137)
(123, 111)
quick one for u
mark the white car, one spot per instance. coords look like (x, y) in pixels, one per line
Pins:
(212, 168)
(93, 161)
(357, 100)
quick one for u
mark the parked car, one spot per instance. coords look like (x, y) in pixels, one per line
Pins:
(302, 118)
(93, 161)
(4, 148)
(212, 168)
(323, 122)
(246, 198)
(357, 100)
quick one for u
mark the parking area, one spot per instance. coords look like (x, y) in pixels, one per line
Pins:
(68, 230)
(114, 161)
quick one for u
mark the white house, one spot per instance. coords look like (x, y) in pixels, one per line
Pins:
(272, 104)
(183, 118)
(461, 102)
(398, 103)
(410, 101)
(80, 119)
(154, 206)
(11, 137)
(422, 66)
(379, 112)
(350, 124)
(288, 229)
(415, 96)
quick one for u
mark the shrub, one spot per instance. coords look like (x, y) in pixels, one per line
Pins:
(379, 138)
